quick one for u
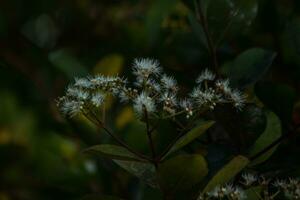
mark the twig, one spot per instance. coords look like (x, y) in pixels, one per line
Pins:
(96, 121)
(203, 21)
(150, 140)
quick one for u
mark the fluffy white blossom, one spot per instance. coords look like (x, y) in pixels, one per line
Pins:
(152, 90)
(249, 179)
(97, 99)
(169, 83)
(206, 75)
(223, 85)
(144, 67)
(82, 82)
(187, 106)
(143, 101)
(71, 107)
(238, 99)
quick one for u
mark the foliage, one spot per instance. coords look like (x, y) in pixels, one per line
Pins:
(232, 134)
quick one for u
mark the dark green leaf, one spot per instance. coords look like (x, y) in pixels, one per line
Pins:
(253, 193)
(249, 66)
(277, 97)
(113, 152)
(229, 171)
(271, 133)
(191, 135)
(182, 172)
(144, 171)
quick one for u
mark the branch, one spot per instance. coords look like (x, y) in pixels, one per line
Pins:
(150, 140)
(203, 21)
(96, 121)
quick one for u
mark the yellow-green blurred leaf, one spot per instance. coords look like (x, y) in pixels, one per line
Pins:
(110, 65)
(182, 172)
(125, 116)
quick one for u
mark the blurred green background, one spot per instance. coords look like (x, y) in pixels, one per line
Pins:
(44, 44)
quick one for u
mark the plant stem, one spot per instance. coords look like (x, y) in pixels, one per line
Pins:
(276, 142)
(211, 47)
(97, 122)
(150, 140)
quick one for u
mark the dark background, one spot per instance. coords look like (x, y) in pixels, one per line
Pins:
(44, 44)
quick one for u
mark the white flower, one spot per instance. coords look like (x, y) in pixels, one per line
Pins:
(204, 97)
(97, 99)
(206, 75)
(280, 183)
(143, 101)
(169, 83)
(187, 106)
(169, 99)
(216, 192)
(82, 82)
(249, 179)
(238, 99)
(238, 194)
(224, 86)
(144, 67)
(77, 93)
(71, 107)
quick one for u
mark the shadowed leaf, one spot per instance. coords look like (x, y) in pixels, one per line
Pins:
(113, 152)
(229, 171)
(182, 172)
(191, 135)
(271, 133)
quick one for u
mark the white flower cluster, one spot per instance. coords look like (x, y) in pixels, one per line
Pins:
(290, 188)
(224, 192)
(249, 179)
(153, 92)
(87, 93)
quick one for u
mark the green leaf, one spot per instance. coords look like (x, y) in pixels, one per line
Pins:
(253, 193)
(229, 171)
(144, 171)
(191, 135)
(113, 152)
(271, 133)
(248, 67)
(277, 97)
(182, 172)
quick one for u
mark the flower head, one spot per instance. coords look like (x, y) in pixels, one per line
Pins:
(169, 83)
(71, 107)
(143, 101)
(144, 67)
(97, 99)
(238, 99)
(249, 179)
(206, 75)
(82, 82)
